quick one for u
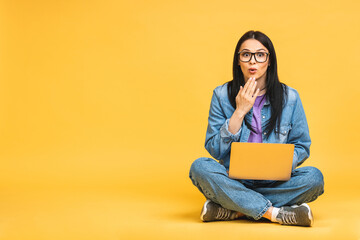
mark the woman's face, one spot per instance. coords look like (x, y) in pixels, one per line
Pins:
(259, 69)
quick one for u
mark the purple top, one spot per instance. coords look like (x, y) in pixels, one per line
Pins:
(256, 120)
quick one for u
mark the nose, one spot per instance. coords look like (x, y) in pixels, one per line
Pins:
(252, 59)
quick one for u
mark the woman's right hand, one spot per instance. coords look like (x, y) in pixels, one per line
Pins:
(246, 97)
(245, 100)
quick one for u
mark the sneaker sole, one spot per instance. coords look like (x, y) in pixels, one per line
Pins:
(204, 210)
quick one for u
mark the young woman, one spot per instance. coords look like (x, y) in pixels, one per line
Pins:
(256, 107)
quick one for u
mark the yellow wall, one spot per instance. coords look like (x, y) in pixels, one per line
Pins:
(116, 93)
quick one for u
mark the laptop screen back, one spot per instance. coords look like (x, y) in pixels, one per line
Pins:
(261, 161)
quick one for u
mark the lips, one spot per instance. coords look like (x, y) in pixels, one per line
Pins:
(252, 70)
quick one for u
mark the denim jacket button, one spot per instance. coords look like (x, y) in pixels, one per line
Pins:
(263, 116)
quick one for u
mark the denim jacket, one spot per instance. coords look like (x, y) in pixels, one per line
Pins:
(293, 127)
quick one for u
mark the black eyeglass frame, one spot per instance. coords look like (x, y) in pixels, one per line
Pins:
(253, 54)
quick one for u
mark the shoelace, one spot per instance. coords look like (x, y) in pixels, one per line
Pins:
(288, 217)
(223, 213)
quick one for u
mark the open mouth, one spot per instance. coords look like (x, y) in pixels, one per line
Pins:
(252, 70)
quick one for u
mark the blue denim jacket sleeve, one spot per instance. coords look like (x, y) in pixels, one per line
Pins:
(218, 138)
(299, 134)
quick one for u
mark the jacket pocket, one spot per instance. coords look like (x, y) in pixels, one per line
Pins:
(282, 135)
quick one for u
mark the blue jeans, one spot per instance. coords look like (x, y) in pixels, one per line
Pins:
(254, 197)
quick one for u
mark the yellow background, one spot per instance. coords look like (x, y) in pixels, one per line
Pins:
(104, 106)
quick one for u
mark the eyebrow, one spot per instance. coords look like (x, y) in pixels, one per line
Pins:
(256, 50)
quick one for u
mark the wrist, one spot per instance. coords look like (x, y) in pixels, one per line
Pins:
(239, 113)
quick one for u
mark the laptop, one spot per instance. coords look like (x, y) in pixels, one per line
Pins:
(261, 161)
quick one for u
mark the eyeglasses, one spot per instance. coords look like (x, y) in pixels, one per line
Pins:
(245, 56)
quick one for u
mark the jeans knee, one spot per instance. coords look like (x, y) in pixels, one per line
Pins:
(316, 179)
(197, 167)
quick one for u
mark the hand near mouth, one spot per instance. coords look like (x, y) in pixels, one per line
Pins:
(246, 96)
(245, 100)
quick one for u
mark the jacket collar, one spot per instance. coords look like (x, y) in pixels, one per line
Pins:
(267, 101)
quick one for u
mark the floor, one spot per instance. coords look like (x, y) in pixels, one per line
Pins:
(98, 196)
(108, 213)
